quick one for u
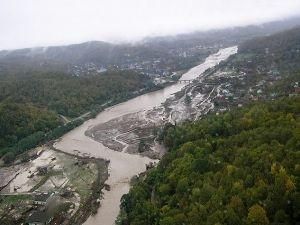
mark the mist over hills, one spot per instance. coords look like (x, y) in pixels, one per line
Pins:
(203, 127)
(252, 128)
(96, 56)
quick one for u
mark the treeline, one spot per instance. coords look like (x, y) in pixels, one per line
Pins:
(241, 167)
(69, 95)
(9, 153)
(18, 121)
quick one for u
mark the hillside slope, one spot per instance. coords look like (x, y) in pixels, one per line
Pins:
(31, 105)
(151, 55)
(239, 167)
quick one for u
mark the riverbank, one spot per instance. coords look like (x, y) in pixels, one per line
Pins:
(35, 131)
(124, 166)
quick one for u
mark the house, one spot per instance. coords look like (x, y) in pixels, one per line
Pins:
(41, 199)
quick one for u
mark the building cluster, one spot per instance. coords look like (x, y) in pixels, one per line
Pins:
(158, 65)
(235, 88)
(86, 69)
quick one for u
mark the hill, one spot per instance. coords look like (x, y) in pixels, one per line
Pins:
(31, 106)
(281, 50)
(159, 55)
(237, 167)
(72, 96)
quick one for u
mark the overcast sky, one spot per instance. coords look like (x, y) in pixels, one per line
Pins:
(29, 23)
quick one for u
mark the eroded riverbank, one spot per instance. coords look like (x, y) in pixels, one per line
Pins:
(122, 165)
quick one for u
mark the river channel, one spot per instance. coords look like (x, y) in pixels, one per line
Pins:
(124, 166)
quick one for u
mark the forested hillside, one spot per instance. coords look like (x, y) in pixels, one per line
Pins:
(280, 51)
(20, 120)
(241, 167)
(68, 95)
(31, 104)
(151, 55)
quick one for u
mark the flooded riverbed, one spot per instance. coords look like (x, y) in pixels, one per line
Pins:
(123, 166)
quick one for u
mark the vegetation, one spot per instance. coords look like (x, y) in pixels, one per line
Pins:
(241, 167)
(279, 53)
(30, 104)
(88, 196)
(11, 204)
(69, 95)
(281, 49)
(10, 152)
(167, 49)
(45, 178)
(21, 120)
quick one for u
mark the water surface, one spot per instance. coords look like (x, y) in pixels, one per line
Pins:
(123, 166)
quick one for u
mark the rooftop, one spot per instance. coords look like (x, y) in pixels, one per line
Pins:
(43, 197)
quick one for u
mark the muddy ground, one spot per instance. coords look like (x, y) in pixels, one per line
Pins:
(76, 182)
(136, 133)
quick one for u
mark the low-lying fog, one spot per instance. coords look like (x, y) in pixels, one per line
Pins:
(54, 22)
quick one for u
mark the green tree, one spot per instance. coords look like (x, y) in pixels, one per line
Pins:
(257, 216)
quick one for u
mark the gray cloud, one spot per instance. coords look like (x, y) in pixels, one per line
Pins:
(27, 23)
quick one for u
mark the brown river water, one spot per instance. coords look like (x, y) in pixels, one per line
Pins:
(124, 166)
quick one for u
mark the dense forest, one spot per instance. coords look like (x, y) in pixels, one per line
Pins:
(30, 104)
(20, 120)
(24, 126)
(240, 167)
(69, 95)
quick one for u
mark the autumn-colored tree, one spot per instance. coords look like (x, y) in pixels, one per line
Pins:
(257, 216)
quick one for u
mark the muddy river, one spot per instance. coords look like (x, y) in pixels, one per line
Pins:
(123, 166)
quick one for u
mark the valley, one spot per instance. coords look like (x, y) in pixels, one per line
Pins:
(125, 126)
(123, 166)
(167, 132)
